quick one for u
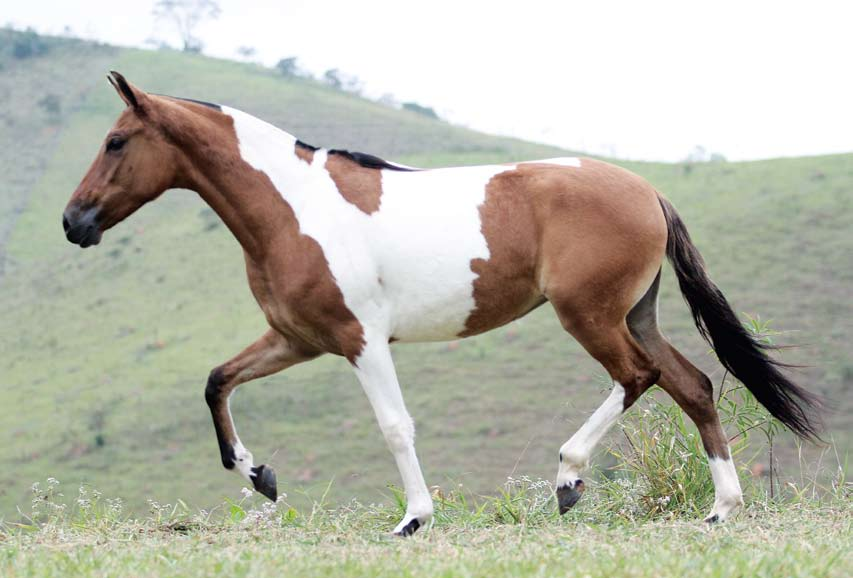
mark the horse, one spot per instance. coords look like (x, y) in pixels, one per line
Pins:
(347, 253)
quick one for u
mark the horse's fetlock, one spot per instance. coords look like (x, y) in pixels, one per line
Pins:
(422, 511)
(574, 459)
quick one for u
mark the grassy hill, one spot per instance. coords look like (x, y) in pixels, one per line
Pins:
(105, 352)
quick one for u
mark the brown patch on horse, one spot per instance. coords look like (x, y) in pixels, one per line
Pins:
(602, 237)
(304, 152)
(505, 288)
(361, 186)
(300, 298)
(590, 237)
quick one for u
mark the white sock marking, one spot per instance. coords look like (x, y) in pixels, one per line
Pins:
(243, 461)
(727, 492)
(576, 452)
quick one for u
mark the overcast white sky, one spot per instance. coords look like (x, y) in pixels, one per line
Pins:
(638, 79)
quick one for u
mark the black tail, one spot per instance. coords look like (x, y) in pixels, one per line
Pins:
(739, 352)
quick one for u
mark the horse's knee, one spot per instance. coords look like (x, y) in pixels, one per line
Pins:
(215, 381)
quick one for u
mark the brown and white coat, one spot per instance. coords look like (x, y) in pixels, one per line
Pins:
(346, 253)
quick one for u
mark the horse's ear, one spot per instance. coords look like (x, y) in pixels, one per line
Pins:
(131, 95)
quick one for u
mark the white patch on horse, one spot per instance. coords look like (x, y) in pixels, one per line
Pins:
(404, 270)
(243, 461)
(727, 493)
(575, 453)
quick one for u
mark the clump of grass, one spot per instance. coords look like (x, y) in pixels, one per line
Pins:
(661, 467)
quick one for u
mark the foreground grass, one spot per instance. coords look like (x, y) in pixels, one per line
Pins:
(517, 534)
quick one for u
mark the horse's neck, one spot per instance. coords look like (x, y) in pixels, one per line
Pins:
(251, 204)
(272, 151)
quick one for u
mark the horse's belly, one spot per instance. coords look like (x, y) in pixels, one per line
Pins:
(430, 311)
(445, 303)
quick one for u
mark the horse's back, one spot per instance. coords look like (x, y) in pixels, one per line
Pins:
(466, 250)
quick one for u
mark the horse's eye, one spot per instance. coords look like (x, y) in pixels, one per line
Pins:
(115, 143)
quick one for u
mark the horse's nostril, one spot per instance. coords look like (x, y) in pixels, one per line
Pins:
(65, 224)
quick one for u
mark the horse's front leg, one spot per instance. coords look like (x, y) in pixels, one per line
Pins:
(269, 354)
(375, 370)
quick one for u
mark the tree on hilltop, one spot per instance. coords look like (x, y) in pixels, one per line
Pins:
(185, 16)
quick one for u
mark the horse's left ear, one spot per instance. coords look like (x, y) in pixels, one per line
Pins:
(131, 95)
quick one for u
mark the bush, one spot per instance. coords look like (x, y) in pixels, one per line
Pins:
(420, 109)
(51, 105)
(662, 460)
(332, 77)
(288, 67)
(28, 44)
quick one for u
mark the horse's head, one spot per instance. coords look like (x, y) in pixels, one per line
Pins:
(135, 165)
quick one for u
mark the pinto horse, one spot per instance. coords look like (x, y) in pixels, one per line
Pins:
(347, 253)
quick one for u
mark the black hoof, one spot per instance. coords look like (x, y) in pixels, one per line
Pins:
(409, 529)
(568, 496)
(263, 478)
(713, 519)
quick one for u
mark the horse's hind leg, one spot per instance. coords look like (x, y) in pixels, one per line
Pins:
(269, 354)
(692, 390)
(632, 371)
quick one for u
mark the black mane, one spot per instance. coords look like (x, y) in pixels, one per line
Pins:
(361, 159)
(201, 102)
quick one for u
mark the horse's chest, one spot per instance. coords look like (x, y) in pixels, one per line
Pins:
(411, 281)
(300, 298)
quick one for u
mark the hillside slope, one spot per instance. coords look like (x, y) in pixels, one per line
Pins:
(105, 352)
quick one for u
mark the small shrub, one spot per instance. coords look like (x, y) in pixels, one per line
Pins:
(288, 67)
(51, 105)
(28, 44)
(332, 77)
(662, 461)
(426, 111)
(662, 458)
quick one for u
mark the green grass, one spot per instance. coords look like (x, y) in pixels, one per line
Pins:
(105, 352)
(470, 537)
(641, 520)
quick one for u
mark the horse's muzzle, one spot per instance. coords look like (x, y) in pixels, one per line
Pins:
(81, 226)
